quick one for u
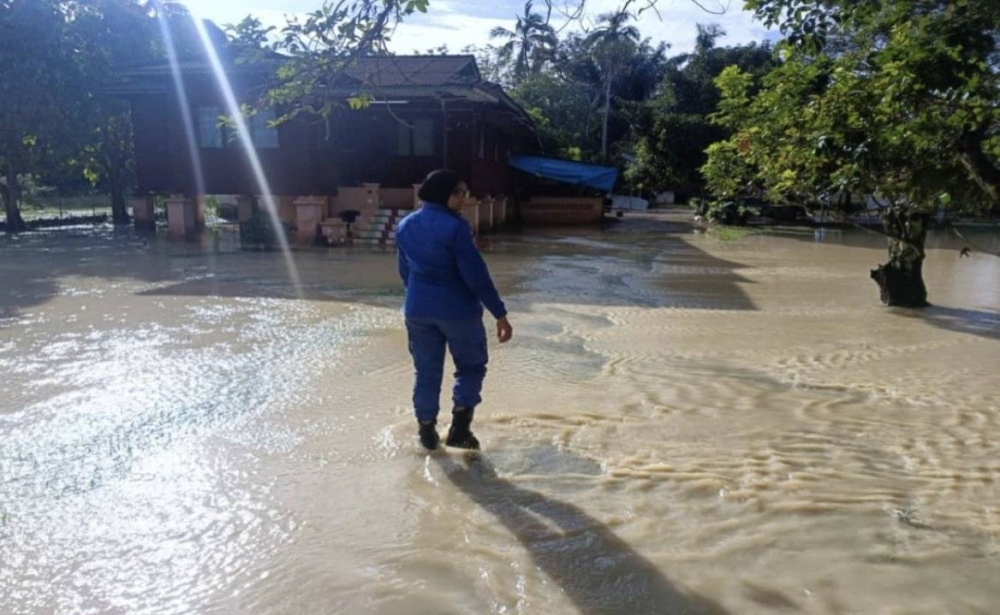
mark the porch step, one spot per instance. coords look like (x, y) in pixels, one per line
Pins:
(374, 229)
(384, 223)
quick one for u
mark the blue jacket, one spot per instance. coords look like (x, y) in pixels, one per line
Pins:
(444, 274)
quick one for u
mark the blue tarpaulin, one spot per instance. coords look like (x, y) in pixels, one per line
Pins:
(567, 171)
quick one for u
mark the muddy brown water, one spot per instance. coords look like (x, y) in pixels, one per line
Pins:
(682, 425)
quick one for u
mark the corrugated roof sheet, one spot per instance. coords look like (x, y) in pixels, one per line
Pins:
(415, 70)
(385, 71)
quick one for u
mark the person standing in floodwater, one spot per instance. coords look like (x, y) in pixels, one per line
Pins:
(447, 284)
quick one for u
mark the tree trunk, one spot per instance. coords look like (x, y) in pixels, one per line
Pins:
(114, 159)
(15, 223)
(119, 206)
(607, 117)
(590, 115)
(901, 281)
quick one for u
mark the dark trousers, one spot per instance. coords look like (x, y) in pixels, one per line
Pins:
(466, 340)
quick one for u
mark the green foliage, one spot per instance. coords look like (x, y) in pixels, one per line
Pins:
(487, 58)
(33, 191)
(891, 98)
(361, 101)
(672, 148)
(416, 6)
(528, 47)
(55, 58)
(725, 212)
(250, 40)
(670, 153)
(733, 233)
(567, 97)
(557, 105)
(259, 232)
(32, 94)
(613, 44)
(319, 47)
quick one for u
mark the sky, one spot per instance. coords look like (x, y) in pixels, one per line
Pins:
(460, 23)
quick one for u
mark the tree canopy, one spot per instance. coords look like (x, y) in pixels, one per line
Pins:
(528, 46)
(898, 102)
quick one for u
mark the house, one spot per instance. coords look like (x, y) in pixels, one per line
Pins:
(425, 112)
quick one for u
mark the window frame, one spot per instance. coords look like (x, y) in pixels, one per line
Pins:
(417, 140)
(225, 135)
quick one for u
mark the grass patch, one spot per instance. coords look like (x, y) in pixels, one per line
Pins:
(733, 233)
(58, 207)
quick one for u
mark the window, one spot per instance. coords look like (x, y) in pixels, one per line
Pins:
(209, 131)
(405, 141)
(212, 135)
(423, 138)
(262, 133)
(416, 141)
(324, 141)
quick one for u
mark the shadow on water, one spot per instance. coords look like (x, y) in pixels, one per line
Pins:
(644, 263)
(598, 571)
(32, 263)
(970, 322)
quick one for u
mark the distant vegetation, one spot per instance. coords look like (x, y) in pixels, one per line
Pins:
(885, 102)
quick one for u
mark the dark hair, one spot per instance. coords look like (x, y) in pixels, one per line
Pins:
(439, 186)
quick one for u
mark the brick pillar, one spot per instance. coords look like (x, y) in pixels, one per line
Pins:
(246, 205)
(486, 214)
(374, 194)
(500, 213)
(200, 203)
(182, 217)
(144, 212)
(309, 212)
(416, 199)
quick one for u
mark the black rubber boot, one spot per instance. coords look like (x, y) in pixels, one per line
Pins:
(459, 435)
(428, 435)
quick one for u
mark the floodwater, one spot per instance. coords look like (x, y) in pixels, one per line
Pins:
(681, 425)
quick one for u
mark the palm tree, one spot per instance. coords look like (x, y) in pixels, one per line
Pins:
(528, 45)
(614, 42)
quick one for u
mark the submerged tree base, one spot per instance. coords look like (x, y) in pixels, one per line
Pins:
(901, 280)
(901, 286)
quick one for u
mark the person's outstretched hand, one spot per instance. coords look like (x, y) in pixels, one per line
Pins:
(504, 331)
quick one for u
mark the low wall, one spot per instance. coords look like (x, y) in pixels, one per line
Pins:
(381, 208)
(562, 211)
(286, 209)
(486, 222)
(397, 198)
(364, 199)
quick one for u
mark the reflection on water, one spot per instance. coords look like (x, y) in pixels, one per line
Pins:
(683, 425)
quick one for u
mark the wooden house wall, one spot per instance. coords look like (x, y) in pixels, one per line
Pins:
(363, 147)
